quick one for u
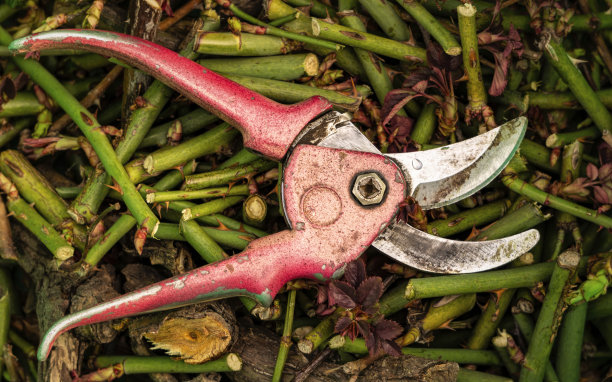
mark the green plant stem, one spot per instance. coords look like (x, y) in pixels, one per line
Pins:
(523, 188)
(288, 92)
(283, 20)
(43, 231)
(201, 242)
(159, 364)
(317, 8)
(5, 308)
(604, 326)
(12, 130)
(519, 220)
(600, 308)
(477, 95)
(283, 68)
(320, 333)
(164, 196)
(373, 67)
(228, 44)
(190, 123)
(90, 127)
(500, 343)
(23, 104)
(226, 238)
(27, 349)
(212, 141)
(466, 220)
(439, 286)
(333, 32)
(283, 351)
(425, 124)
(345, 59)
(168, 157)
(123, 225)
(387, 19)
(549, 318)
(33, 187)
(86, 205)
(431, 25)
(119, 229)
(526, 327)
(467, 375)
(539, 156)
(569, 348)
(212, 220)
(489, 320)
(562, 139)
(243, 156)
(467, 356)
(558, 57)
(270, 30)
(212, 207)
(226, 175)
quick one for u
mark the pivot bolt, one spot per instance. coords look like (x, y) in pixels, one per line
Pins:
(369, 189)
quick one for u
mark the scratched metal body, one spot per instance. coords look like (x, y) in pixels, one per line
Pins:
(332, 219)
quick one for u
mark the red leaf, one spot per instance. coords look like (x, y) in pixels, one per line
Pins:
(605, 172)
(342, 324)
(592, 171)
(601, 195)
(370, 291)
(364, 329)
(391, 348)
(388, 329)
(355, 272)
(343, 294)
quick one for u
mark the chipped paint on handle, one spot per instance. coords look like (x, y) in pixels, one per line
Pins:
(331, 229)
(268, 127)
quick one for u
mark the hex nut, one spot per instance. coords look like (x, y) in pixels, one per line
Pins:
(369, 189)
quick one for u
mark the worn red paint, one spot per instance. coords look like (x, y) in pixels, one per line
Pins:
(267, 126)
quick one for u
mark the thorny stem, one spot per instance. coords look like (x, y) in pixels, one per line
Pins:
(549, 318)
(92, 130)
(343, 35)
(466, 356)
(387, 19)
(467, 219)
(159, 364)
(432, 25)
(89, 99)
(523, 188)
(558, 57)
(285, 344)
(277, 31)
(569, 346)
(226, 175)
(164, 196)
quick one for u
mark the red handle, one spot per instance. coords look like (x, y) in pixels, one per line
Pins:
(268, 127)
(258, 272)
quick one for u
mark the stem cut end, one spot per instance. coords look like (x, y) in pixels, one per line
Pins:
(311, 64)
(453, 51)
(467, 10)
(187, 214)
(305, 346)
(569, 259)
(64, 253)
(149, 165)
(151, 198)
(234, 362)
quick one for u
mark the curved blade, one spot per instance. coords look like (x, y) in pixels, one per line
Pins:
(434, 254)
(448, 174)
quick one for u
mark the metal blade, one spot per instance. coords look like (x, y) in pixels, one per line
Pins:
(434, 254)
(448, 174)
(335, 130)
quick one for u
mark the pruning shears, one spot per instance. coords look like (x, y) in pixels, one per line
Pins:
(339, 193)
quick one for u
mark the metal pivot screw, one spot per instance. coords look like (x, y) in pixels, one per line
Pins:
(369, 189)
